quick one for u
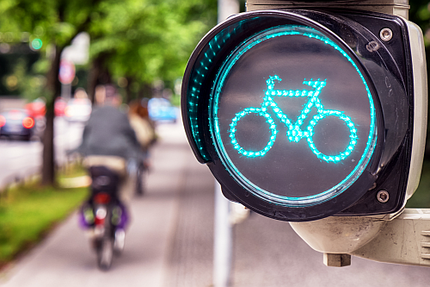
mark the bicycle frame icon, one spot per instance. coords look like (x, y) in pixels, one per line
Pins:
(296, 131)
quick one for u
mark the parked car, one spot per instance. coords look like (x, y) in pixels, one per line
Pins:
(17, 123)
(161, 109)
(37, 108)
(78, 110)
(59, 107)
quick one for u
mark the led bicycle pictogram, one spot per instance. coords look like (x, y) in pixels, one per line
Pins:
(295, 132)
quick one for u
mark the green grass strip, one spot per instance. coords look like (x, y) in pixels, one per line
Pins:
(28, 212)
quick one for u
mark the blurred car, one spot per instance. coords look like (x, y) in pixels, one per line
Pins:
(78, 110)
(59, 107)
(17, 123)
(37, 108)
(161, 109)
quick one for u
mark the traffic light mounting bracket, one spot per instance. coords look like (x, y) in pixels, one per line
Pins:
(392, 7)
(402, 238)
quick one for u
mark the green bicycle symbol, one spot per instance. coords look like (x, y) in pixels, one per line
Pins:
(295, 132)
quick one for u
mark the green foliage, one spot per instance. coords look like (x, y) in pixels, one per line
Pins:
(16, 68)
(43, 19)
(30, 85)
(55, 23)
(419, 13)
(176, 100)
(149, 40)
(421, 197)
(141, 40)
(137, 40)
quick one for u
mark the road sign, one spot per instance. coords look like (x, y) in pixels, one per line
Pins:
(67, 72)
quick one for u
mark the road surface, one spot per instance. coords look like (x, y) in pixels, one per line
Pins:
(170, 242)
(20, 159)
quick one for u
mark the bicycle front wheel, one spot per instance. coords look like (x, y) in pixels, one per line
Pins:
(141, 174)
(105, 253)
(351, 140)
(233, 129)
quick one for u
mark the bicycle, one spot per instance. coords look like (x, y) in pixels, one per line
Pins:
(105, 215)
(295, 131)
(142, 172)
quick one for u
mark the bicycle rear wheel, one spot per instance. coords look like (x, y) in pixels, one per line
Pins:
(352, 139)
(105, 241)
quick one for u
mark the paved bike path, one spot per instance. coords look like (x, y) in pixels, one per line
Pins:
(65, 258)
(170, 243)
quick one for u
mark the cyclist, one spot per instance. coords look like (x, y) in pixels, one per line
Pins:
(108, 140)
(145, 133)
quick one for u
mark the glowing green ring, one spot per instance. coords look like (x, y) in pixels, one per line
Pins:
(336, 190)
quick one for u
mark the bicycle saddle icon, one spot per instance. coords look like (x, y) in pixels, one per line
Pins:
(296, 130)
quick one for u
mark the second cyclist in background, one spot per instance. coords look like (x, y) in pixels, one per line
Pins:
(145, 133)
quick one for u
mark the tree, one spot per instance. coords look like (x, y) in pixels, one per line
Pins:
(55, 23)
(140, 40)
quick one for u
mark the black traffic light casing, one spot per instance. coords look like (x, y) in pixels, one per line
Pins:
(268, 97)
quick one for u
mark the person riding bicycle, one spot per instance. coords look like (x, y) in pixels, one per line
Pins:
(142, 125)
(145, 133)
(109, 141)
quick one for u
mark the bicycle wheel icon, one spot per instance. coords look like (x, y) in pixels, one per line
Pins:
(296, 131)
(352, 136)
(269, 120)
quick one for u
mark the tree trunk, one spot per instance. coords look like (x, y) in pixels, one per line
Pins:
(99, 75)
(93, 79)
(145, 91)
(128, 94)
(54, 90)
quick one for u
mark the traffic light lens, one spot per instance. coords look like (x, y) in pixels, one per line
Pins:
(292, 116)
(36, 44)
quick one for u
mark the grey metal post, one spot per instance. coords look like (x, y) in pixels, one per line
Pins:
(66, 91)
(223, 240)
(223, 236)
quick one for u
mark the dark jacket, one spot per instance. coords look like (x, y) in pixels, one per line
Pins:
(108, 132)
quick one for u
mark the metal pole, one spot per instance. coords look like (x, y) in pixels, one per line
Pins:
(227, 8)
(223, 240)
(66, 91)
(223, 235)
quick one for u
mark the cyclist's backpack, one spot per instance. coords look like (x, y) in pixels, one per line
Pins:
(104, 180)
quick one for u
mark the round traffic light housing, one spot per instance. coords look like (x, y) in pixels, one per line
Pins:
(286, 112)
(292, 116)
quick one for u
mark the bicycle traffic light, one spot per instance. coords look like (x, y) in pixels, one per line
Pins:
(304, 114)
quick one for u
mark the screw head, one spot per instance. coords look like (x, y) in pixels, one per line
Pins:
(386, 34)
(382, 196)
